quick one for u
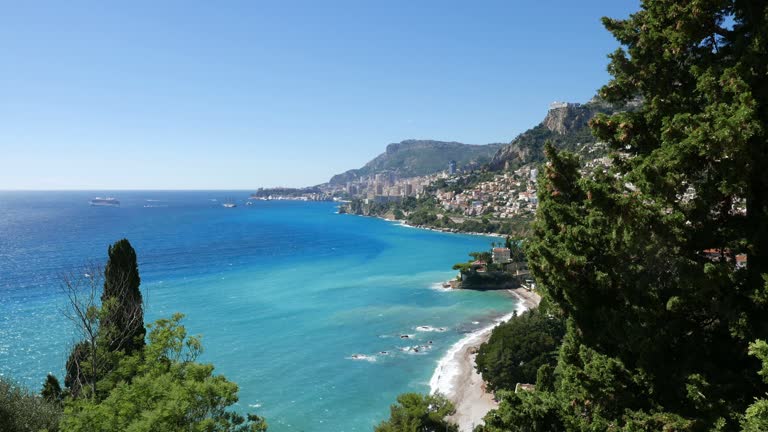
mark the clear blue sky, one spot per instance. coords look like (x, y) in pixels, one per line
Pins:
(217, 95)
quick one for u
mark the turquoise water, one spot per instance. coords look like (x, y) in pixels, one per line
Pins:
(284, 294)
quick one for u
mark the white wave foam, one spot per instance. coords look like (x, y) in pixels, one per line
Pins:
(416, 349)
(362, 357)
(438, 286)
(449, 366)
(426, 328)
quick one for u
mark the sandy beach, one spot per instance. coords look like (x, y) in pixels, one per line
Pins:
(456, 376)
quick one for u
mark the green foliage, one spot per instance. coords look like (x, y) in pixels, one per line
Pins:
(545, 378)
(756, 417)
(419, 413)
(286, 192)
(524, 412)
(463, 267)
(518, 348)
(516, 250)
(123, 325)
(161, 388)
(422, 217)
(658, 330)
(23, 411)
(51, 390)
(481, 256)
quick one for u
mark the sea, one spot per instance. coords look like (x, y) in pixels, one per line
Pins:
(321, 318)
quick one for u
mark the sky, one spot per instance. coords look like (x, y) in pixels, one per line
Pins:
(246, 94)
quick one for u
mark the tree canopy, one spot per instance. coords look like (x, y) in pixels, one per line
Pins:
(645, 257)
(518, 348)
(419, 413)
(162, 387)
(23, 411)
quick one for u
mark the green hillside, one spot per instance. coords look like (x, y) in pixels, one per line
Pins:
(412, 158)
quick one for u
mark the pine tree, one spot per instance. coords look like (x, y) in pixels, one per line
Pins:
(642, 257)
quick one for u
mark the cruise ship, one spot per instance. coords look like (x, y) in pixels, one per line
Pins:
(105, 202)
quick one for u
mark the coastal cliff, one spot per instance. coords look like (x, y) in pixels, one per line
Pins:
(566, 125)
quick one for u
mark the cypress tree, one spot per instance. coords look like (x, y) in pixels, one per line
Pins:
(644, 256)
(51, 389)
(123, 323)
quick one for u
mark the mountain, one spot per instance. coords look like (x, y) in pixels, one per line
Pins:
(566, 125)
(412, 158)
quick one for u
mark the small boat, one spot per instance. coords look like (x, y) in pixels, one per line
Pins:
(229, 202)
(105, 202)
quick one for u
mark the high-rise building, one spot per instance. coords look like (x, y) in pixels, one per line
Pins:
(452, 167)
(408, 189)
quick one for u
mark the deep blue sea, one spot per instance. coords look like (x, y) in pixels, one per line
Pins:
(284, 294)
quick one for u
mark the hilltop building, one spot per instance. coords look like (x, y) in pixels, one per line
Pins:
(558, 104)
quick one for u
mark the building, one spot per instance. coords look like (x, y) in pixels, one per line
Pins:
(558, 104)
(501, 255)
(452, 167)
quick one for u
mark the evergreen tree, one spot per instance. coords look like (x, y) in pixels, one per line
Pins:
(123, 324)
(642, 257)
(51, 389)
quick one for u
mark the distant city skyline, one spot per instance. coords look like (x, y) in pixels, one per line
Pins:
(192, 95)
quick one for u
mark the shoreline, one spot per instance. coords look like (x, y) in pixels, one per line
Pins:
(428, 228)
(442, 230)
(456, 378)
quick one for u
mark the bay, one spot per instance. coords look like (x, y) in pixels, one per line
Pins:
(285, 294)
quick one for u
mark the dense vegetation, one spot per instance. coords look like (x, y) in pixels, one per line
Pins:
(425, 212)
(23, 411)
(419, 413)
(661, 335)
(286, 192)
(518, 348)
(119, 377)
(161, 387)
